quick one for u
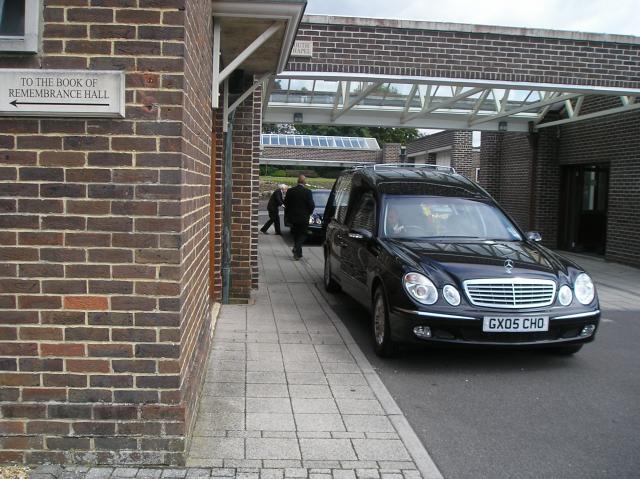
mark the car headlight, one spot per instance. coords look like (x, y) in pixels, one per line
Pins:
(451, 294)
(584, 289)
(318, 220)
(311, 220)
(565, 296)
(420, 288)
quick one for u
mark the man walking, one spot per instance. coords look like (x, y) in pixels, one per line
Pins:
(273, 207)
(299, 205)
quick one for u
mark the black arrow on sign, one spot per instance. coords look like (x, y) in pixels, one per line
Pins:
(15, 103)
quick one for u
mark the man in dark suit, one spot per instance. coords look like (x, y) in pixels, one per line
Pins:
(273, 207)
(299, 205)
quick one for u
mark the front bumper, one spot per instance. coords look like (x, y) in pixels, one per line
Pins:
(447, 328)
(316, 231)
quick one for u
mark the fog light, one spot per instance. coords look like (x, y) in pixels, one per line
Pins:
(588, 330)
(422, 331)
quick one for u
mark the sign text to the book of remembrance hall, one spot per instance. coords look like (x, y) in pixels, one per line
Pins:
(66, 93)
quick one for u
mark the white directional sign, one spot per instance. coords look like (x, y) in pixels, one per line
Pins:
(302, 48)
(67, 93)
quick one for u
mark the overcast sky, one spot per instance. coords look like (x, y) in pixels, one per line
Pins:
(599, 16)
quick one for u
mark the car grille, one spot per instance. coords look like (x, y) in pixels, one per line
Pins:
(510, 292)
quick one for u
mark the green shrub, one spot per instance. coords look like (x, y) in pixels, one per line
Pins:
(280, 173)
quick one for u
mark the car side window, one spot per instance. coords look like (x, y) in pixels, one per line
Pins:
(365, 213)
(341, 200)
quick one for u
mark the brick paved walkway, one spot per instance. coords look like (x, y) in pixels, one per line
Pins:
(289, 393)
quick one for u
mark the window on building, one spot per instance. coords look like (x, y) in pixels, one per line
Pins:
(476, 139)
(19, 25)
(12, 18)
(443, 158)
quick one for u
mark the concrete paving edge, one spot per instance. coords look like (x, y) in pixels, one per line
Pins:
(407, 435)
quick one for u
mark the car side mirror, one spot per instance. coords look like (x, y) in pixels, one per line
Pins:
(534, 236)
(360, 234)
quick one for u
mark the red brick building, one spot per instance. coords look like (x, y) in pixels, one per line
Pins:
(119, 234)
(447, 148)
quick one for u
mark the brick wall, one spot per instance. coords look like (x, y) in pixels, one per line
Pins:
(490, 158)
(515, 177)
(104, 224)
(256, 130)
(462, 154)
(195, 325)
(523, 172)
(438, 140)
(463, 159)
(546, 187)
(391, 152)
(505, 172)
(244, 225)
(615, 140)
(435, 50)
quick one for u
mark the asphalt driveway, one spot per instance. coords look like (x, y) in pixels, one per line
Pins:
(522, 414)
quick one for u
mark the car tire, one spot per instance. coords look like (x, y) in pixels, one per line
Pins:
(383, 345)
(329, 283)
(567, 350)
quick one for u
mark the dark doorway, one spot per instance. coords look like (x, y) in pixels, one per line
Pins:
(583, 219)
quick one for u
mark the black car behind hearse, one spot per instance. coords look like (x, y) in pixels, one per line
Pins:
(437, 260)
(315, 229)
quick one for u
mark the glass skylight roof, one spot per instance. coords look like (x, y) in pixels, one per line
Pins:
(314, 141)
(419, 102)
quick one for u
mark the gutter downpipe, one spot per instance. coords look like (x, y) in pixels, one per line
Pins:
(227, 198)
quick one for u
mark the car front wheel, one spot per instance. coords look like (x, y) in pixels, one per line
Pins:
(329, 283)
(384, 346)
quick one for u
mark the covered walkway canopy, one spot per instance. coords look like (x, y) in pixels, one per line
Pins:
(423, 102)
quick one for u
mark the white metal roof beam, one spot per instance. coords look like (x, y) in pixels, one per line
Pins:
(505, 99)
(597, 114)
(282, 113)
(478, 104)
(407, 104)
(368, 78)
(249, 91)
(531, 106)
(336, 100)
(266, 94)
(568, 108)
(443, 104)
(215, 93)
(247, 52)
(361, 96)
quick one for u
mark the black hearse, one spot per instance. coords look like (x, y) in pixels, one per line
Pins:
(436, 260)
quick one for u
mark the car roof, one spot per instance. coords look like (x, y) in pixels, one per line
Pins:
(444, 180)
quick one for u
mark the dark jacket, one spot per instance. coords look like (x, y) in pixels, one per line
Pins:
(299, 205)
(275, 201)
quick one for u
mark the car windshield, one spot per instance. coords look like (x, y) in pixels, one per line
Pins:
(437, 217)
(320, 198)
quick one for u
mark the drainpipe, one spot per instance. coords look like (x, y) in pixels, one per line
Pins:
(226, 208)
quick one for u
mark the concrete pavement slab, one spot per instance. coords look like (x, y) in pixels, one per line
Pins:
(329, 449)
(288, 393)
